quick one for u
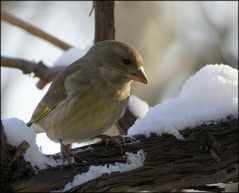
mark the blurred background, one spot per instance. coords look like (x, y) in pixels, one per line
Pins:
(175, 38)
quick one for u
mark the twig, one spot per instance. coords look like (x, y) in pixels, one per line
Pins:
(20, 151)
(34, 30)
(92, 9)
(40, 70)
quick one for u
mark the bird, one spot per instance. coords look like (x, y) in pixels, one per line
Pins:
(89, 95)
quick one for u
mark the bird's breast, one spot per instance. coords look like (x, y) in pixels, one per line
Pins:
(87, 114)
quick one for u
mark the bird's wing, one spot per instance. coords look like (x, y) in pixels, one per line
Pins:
(55, 94)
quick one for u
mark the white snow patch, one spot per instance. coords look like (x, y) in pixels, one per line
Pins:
(137, 106)
(16, 131)
(210, 95)
(49, 147)
(133, 161)
(71, 55)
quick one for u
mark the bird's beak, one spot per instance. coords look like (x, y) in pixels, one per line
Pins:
(139, 76)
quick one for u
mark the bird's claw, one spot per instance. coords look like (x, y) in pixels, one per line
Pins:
(107, 139)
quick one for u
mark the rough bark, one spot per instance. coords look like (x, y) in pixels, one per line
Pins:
(208, 154)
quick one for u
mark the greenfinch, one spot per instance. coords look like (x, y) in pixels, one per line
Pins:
(90, 95)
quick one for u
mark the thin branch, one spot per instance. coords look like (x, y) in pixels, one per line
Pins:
(34, 30)
(21, 149)
(92, 9)
(40, 70)
(126, 121)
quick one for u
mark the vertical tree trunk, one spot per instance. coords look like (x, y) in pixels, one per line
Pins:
(104, 20)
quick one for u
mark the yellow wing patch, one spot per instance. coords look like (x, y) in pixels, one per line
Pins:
(55, 95)
(44, 110)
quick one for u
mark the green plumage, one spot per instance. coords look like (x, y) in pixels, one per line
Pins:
(90, 95)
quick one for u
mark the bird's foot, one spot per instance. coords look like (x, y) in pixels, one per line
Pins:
(106, 139)
(66, 151)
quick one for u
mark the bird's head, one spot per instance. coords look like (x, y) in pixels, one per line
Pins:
(119, 61)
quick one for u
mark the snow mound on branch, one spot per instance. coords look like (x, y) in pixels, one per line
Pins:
(138, 107)
(16, 131)
(71, 55)
(210, 95)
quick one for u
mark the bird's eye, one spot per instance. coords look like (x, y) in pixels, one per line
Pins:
(127, 61)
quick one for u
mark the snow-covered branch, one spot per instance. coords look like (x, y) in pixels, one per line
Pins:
(208, 154)
(183, 142)
(186, 142)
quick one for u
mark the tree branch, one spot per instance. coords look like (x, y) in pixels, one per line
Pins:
(169, 164)
(126, 121)
(34, 30)
(40, 70)
(104, 20)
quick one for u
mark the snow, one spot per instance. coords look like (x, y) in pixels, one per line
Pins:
(133, 161)
(44, 143)
(210, 95)
(16, 131)
(137, 106)
(71, 55)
